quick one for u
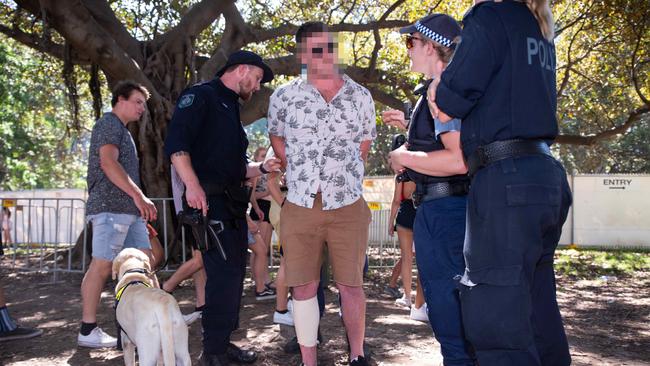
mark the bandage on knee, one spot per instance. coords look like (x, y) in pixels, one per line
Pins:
(306, 318)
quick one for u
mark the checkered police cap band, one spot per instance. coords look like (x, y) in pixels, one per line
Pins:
(427, 32)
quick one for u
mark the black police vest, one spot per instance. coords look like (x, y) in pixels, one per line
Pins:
(422, 137)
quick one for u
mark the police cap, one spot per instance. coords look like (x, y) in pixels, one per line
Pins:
(440, 28)
(247, 58)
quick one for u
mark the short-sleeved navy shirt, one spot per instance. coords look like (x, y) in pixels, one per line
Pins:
(501, 80)
(206, 124)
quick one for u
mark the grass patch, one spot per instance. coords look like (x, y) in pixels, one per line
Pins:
(590, 264)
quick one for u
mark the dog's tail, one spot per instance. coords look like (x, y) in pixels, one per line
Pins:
(166, 334)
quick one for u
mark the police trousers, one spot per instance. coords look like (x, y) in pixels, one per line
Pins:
(516, 209)
(223, 289)
(439, 232)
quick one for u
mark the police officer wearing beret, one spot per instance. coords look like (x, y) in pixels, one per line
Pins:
(501, 83)
(207, 145)
(434, 161)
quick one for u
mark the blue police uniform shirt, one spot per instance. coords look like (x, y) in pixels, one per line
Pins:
(206, 124)
(501, 80)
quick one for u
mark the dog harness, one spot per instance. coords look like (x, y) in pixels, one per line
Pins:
(118, 296)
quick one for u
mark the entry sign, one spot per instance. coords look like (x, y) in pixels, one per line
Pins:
(8, 203)
(617, 183)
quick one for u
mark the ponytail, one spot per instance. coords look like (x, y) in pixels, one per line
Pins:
(542, 12)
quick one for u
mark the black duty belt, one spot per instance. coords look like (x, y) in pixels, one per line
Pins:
(433, 191)
(499, 150)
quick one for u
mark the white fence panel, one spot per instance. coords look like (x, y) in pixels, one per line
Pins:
(612, 210)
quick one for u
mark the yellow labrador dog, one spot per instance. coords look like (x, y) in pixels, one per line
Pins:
(149, 317)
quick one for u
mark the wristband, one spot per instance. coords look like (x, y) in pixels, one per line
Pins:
(264, 171)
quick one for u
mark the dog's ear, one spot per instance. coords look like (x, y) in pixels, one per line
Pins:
(117, 263)
(116, 267)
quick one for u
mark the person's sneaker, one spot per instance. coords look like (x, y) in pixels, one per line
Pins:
(359, 361)
(266, 294)
(419, 314)
(20, 333)
(393, 292)
(286, 318)
(404, 302)
(192, 317)
(96, 339)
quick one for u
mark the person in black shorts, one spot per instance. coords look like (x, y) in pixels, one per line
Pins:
(261, 206)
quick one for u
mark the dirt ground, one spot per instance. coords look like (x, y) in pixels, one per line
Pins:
(607, 321)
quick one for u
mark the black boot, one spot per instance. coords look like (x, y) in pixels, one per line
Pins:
(238, 355)
(214, 360)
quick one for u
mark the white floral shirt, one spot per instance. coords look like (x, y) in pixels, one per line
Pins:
(323, 140)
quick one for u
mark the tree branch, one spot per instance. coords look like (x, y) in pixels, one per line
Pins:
(234, 37)
(589, 140)
(104, 15)
(80, 29)
(199, 17)
(33, 41)
(636, 67)
(261, 35)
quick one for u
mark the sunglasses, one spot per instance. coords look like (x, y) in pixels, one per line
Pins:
(410, 39)
(317, 51)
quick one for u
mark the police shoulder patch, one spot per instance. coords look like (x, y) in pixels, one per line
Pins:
(186, 100)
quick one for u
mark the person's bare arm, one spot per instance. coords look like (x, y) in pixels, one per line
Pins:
(194, 194)
(433, 107)
(114, 171)
(273, 184)
(394, 207)
(279, 148)
(441, 163)
(365, 148)
(253, 200)
(270, 165)
(395, 118)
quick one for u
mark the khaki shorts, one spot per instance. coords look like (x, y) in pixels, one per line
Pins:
(305, 232)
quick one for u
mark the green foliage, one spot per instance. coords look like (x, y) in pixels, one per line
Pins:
(601, 45)
(37, 149)
(592, 264)
(257, 136)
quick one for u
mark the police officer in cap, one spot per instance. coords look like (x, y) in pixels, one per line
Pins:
(501, 84)
(433, 159)
(207, 145)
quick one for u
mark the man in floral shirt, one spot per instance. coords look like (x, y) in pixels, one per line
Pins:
(321, 125)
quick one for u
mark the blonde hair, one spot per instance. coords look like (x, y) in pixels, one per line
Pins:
(542, 12)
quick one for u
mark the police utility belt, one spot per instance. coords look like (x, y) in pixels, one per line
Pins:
(434, 191)
(204, 230)
(500, 150)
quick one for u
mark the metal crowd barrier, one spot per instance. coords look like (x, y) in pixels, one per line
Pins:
(45, 231)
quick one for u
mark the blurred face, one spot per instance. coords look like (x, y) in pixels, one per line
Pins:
(134, 106)
(319, 52)
(251, 81)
